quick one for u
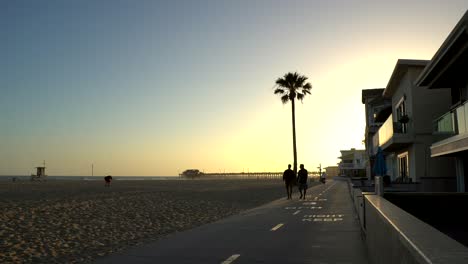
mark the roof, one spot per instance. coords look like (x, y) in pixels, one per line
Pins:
(379, 100)
(446, 56)
(347, 156)
(371, 93)
(349, 153)
(401, 68)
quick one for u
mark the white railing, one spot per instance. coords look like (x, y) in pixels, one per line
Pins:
(351, 166)
(386, 131)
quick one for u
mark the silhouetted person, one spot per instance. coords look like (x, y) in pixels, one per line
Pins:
(289, 178)
(302, 181)
(323, 177)
(108, 180)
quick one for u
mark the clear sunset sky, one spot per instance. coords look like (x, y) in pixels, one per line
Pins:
(157, 87)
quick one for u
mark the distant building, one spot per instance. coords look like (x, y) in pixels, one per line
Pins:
(332, 171)
(377, 108)
(191, 173)
(406, 134)
(40, 174)
(353, 163)
(448, 72)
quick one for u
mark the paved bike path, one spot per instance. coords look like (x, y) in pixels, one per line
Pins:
(321, 229)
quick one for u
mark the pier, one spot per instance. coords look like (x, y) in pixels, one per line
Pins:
(244, 175)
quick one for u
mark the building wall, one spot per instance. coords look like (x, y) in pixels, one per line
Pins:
(435, 174)
(391, 165)
(422, 106)
(404, 91)
(332, 171)
(357, 169)
(428, 104)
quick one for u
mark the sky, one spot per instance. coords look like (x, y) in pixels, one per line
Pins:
(151, 88)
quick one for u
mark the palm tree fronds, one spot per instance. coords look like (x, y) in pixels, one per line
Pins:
(306, 91)
(292, 95)
(282, 82)
(292, 85)
(279, 91)
(300, 96)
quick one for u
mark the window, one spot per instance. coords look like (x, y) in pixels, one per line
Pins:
(403, 167)
(401, 111)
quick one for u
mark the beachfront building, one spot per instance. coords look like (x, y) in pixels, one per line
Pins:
(406, 134)
(447, 72)
(40, 174)
(377, 108)
(332, 171)
(353, 163)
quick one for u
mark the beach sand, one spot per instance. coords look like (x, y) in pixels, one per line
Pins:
(78, 221)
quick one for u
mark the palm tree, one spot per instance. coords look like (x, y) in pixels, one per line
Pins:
(290, 87)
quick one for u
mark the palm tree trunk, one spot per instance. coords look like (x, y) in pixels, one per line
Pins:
(294, 136)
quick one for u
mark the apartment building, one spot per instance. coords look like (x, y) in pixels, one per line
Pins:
(447, 72)
(376, 110)
(406, 134)
(353, 163)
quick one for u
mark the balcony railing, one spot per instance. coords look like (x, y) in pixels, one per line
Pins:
(461, 117)
(387, 130)
(453, 123)
(445, 124)
(351, 166)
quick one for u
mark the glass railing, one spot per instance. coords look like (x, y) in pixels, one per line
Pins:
(462, 118)
(453, 122)
(386, 130)
(445, 124)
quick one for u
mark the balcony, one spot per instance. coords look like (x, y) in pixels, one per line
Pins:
(393, 135)
(346, 165)
(451, 132)
(351, 166)
(444, 126)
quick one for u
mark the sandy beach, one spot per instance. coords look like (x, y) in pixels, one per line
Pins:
(78, 221)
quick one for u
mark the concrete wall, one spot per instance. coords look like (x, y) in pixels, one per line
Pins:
(395, 236)
(435, 174)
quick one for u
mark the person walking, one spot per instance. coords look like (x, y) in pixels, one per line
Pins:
(323, 177)
(289, 178)
(302, 181)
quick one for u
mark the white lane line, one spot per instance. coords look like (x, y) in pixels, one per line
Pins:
(278, 226)
(231, 259)
(295, 213)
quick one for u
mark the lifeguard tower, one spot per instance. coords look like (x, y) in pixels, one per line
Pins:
(40, 174)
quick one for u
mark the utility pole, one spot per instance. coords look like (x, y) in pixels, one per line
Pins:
(92, 169)
(320, 169)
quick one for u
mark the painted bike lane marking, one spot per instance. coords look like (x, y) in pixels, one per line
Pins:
(278, 226)
(231, 259)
